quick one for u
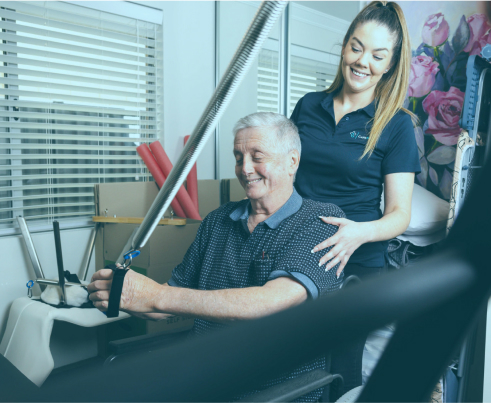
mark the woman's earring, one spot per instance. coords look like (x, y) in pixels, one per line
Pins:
(386, 70)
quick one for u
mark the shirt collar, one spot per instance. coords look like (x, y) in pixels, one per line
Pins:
(292, 205)
(370, 109)
(328, 105)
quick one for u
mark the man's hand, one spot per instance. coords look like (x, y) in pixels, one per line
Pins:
(138, 295)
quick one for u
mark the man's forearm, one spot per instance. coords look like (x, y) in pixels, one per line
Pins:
(231, 304)
(152, 316)
(143, 297)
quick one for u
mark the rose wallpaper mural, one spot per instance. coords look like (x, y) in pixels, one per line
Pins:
(443, 36)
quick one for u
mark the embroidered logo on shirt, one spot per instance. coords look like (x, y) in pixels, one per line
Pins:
(356, 135)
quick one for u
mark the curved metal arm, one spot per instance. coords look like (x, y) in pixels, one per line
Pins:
(265, 18)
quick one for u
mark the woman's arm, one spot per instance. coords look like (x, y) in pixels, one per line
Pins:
(351, 235)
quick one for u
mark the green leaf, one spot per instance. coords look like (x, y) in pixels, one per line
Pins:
(461, 36)
(442, 155)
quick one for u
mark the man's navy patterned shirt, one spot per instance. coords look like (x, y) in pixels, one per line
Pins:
(226, 255)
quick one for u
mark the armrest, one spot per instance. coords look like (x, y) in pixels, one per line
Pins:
(293, 388)
(350, 280)
(151, 340)
(143, 343)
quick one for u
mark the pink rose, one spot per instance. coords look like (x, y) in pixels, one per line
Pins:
(482, 42)
(479, 33)
(435, 30)
(443, 109)
(485, 39)
(422, 75)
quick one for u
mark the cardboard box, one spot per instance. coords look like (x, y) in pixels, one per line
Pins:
(164, 250)
(237, 192)
(137, 197)
(231, 190)
(127, 199)
(208, 196)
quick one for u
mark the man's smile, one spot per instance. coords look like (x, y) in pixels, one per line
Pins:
(251, 181)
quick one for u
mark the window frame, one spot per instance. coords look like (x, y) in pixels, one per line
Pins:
(125, 9)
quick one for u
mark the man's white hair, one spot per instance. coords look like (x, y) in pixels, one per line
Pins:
(285, 130)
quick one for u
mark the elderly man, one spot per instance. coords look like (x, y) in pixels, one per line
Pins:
(250, 258)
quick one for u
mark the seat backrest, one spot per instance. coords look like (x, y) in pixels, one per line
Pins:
(350, 281)
(125, 349)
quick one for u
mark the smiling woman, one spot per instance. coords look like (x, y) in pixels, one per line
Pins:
(356, 137)
(366, 62)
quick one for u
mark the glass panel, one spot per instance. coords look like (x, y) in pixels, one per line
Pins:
(316, 31)
(316, 35)
(233, 20)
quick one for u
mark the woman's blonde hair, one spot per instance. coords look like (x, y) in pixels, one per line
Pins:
(391, 90)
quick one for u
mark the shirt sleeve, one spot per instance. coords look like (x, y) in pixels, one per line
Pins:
(299, 263)
(402, 151)
(186, 274)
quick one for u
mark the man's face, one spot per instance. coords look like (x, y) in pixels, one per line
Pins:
(265, 174)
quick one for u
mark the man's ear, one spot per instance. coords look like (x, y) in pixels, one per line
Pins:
(293, 161)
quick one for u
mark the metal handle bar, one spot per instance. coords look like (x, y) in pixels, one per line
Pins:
(265, 18)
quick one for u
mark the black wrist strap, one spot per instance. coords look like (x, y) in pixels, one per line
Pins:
(116, 290)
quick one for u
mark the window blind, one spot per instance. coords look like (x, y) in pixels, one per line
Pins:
(268, 81)
(307, 74)
(79, 90)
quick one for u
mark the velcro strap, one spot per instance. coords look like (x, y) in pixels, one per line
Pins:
(116, 290)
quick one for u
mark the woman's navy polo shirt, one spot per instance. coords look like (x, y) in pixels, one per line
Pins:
(330, 169)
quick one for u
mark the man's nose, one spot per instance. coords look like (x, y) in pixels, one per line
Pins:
(247, 166)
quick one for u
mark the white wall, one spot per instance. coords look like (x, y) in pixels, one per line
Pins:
(189, 80)
(345, 10)
(234, 19)
(189, 74)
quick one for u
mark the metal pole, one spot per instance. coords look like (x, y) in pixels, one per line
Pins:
(284, 63)
(31, 250)
(265, 18)
(88, 255)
